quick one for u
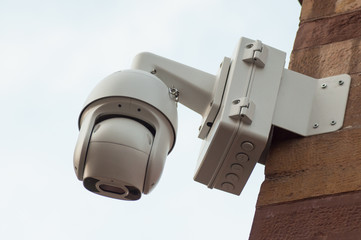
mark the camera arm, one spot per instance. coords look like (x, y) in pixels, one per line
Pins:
(200, 91)
(195, 87)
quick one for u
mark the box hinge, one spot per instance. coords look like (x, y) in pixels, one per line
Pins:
(255, 53)
(243, 109)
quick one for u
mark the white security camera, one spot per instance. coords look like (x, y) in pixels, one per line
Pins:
(127, 128)
(129, 123)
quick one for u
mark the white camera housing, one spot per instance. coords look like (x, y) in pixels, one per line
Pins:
(251, 93)
(127, 128)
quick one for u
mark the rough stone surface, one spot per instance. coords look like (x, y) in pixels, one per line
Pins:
(314, 9)
(327, 60)
(327, 30)
(310, 167)
(353, 109)
(312, 187)
(328, 218)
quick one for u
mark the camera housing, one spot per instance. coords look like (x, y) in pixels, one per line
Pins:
(127, 128)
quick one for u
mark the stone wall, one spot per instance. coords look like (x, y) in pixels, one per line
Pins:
(312, 187)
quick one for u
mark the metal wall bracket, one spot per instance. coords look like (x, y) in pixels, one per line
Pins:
(309, 106)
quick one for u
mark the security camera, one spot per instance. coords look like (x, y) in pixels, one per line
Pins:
(127, 128)
(129, 122)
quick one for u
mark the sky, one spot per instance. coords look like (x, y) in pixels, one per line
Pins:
(53, 53)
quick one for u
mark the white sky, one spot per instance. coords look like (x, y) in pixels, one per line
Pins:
(52, 53)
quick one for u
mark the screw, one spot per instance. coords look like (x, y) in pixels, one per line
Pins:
(333, 122)
(235, 102)
(341, 82)
(154, 71)
(315, 125)
(324, 85)
(174, 93)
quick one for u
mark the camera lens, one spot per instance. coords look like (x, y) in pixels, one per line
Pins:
(111, 189)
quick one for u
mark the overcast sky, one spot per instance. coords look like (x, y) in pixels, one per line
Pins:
(52, 53)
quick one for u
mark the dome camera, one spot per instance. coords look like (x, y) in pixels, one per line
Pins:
(127, 129)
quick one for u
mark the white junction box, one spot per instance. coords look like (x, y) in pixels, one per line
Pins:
(258, 94)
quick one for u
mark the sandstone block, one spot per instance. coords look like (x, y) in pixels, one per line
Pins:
(327, 60)
(315, 9)
(333, 217)
(327, 30)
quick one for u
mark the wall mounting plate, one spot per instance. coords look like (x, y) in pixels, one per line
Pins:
(309, 106)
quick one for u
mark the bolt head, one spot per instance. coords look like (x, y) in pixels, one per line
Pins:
(235, 102)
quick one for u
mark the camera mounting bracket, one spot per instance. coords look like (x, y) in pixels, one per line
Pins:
(309, 106)
(251, 93)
